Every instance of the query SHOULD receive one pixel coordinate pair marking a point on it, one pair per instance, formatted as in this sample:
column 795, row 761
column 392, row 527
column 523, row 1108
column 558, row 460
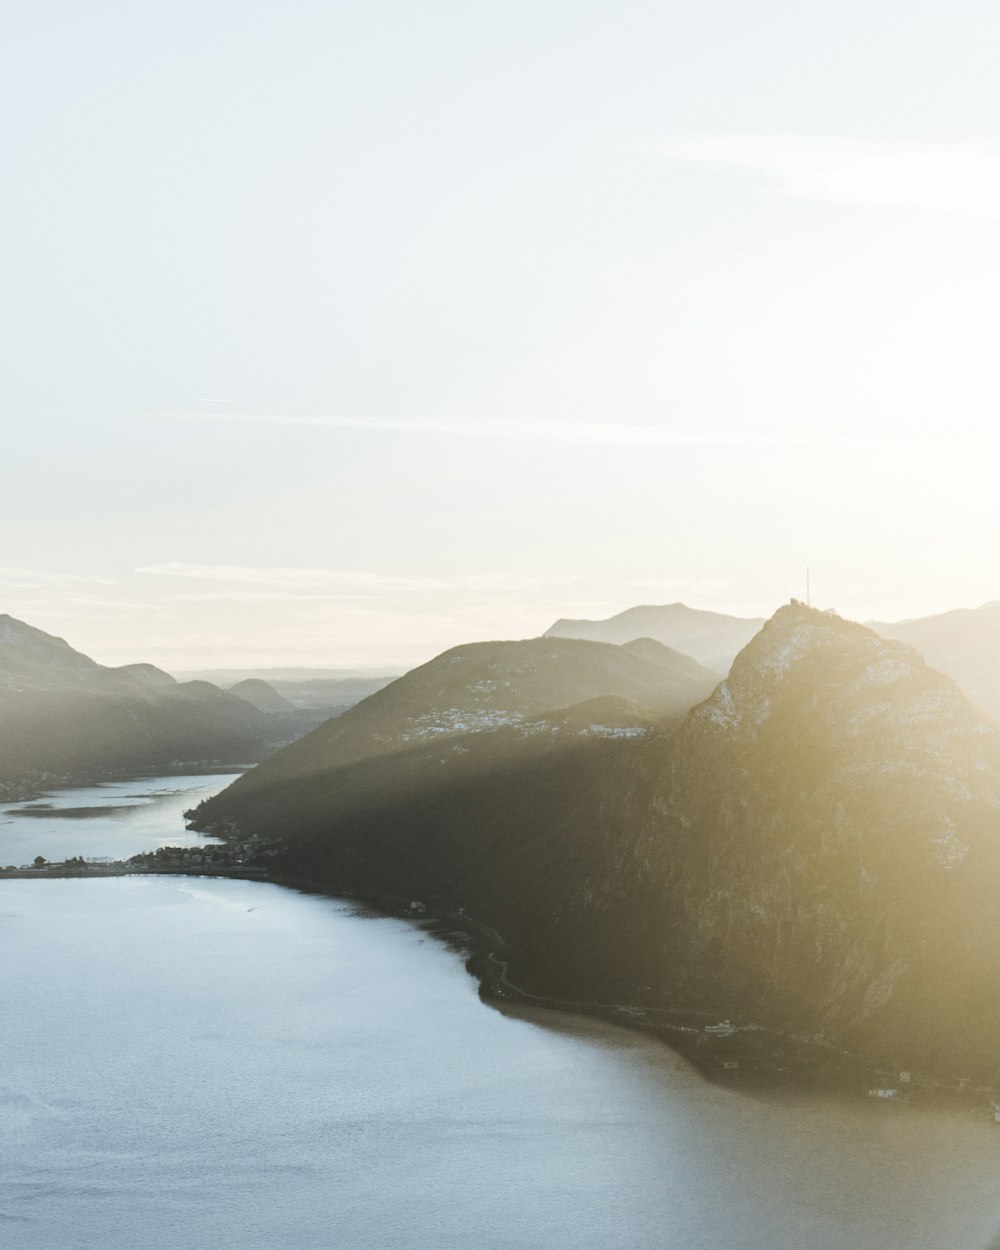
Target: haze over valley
column 794, row 845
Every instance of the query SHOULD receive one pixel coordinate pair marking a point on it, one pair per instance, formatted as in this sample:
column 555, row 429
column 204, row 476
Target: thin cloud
column 45, row 606
column 35, row 579
column 333, row 584
column 262, row 596
column 584, row 433
column 679, row 585
column 291, row 577
column 962, row 179
column 506, row 582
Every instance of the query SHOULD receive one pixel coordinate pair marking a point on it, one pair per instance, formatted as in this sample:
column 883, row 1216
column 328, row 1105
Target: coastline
column 733, row 1052
column 26, row 790
column 750, row 1053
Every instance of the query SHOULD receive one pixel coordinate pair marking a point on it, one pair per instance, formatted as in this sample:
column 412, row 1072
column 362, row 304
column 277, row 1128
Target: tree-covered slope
column 65, row 717
column 815, row 847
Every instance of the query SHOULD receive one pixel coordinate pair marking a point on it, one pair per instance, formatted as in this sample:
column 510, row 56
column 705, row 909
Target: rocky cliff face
column 826, row 841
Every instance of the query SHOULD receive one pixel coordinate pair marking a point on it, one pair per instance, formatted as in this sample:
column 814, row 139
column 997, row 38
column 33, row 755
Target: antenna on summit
column 808, row 596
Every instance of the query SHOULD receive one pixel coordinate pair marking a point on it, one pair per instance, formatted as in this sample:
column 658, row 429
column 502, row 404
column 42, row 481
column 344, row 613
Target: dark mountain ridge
column 64, row 717
column 33, row 660
column 474, row 760
column 827, row 844
column 814, row 847
column 486, row 686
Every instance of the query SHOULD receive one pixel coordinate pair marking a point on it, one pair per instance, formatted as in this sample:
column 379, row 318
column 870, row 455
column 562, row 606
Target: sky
column 338, row 333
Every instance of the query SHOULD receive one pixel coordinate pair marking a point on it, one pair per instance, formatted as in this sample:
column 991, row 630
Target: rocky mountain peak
column 825, row 666
column 849, row 797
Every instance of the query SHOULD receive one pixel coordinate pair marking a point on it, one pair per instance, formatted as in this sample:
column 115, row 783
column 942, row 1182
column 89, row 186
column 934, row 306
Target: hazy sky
column 341, row 332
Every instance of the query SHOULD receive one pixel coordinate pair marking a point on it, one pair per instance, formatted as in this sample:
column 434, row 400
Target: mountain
column 659, row 653
column 711, row 638
column 322, row 690
column 330, row 694
column 33, row 660
column 147, row 674
column 65, row 717
column 278, row 677
column 479, row 687
column 827, row 846
column 453, row 744
column 476, row 777
column 965, row 644
column 261, row 695
column 814, row 848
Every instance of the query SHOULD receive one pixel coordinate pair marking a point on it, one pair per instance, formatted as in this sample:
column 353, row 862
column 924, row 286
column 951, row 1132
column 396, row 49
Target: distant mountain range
column 331, row 695
column 226, row 677
column 711, row 638
column 812, row 844
column 321, row 689
column 64, row 717
column 964, row 644
column 261, row 695
column 486, row 686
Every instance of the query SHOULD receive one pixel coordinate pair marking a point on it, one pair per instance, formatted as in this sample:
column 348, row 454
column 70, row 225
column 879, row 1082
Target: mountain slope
column 965, row 644
column 816, row 848
column 483, row 686
column 33, row 660
column 831, row 842
column 63, row 716
column 711, row 638
column 261, row 695
column 329, row 690
column 475, row 779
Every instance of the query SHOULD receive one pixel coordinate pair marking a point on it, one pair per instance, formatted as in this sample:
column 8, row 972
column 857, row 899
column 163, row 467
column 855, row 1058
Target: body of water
column 117, row 818
column 192, row 1063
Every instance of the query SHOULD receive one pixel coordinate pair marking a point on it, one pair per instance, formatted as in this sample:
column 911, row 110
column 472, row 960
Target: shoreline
column 749, row 1051
column 741, row 1053
column 30, row 789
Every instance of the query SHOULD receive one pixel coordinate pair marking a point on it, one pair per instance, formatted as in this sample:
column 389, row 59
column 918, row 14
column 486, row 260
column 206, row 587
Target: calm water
column 118, row 818
column 190, row 1063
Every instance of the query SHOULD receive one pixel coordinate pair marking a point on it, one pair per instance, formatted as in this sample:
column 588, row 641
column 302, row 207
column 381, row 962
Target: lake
column 117, row 818
column 192, row 1063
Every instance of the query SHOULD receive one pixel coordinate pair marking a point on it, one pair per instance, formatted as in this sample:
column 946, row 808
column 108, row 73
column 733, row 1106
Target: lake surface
column 118, row 818
column 189, row 1063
